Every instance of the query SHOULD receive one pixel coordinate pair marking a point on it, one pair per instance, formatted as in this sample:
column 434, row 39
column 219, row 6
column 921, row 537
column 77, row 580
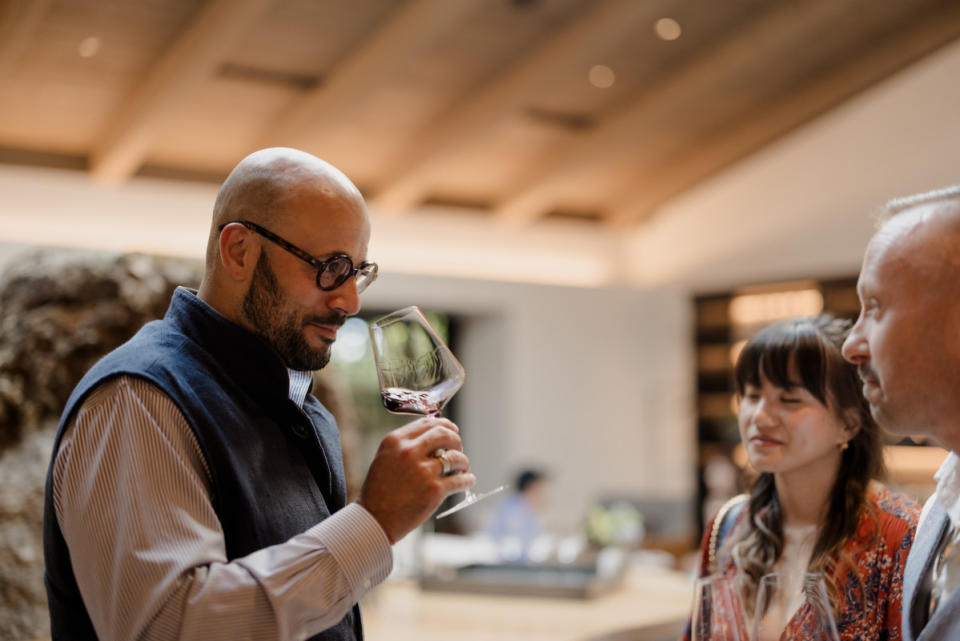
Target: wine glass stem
column 468, row 493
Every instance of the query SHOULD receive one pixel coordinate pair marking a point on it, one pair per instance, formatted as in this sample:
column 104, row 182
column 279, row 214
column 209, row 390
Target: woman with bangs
column 816, row 504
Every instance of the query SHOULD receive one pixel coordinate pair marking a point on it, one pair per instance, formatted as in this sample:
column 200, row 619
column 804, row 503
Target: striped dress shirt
column 132, row 495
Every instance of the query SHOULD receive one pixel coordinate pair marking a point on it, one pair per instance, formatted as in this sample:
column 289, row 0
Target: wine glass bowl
column 718, row 613
column 418, row 373
column 793, row 608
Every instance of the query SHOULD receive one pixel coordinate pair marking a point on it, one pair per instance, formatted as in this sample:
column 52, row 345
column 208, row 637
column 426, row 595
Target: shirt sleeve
column 132, row 496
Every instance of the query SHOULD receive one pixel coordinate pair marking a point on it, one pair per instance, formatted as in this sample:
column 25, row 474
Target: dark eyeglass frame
column 364, row 273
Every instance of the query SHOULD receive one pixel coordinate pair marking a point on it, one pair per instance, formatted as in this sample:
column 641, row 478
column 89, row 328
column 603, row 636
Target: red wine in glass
column 426, row 403
column 418, row 373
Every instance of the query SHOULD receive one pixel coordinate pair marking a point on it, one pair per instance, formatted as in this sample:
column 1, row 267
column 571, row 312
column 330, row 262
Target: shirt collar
column 300, row 383
column 250, row 361
column 948, row 487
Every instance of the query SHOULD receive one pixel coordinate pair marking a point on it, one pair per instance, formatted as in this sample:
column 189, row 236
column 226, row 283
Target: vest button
column 299, row 430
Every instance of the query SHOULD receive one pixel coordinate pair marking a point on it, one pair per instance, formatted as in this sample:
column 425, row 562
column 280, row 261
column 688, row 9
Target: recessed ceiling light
column 89, row 47
column 601, row 76
column 667, row 29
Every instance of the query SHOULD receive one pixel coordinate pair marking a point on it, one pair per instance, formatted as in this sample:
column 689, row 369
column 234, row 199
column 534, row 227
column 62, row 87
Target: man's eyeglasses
column 332, row 272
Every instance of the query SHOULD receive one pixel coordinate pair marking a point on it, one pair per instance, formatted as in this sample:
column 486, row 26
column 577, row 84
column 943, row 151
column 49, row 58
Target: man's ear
column 239, row 251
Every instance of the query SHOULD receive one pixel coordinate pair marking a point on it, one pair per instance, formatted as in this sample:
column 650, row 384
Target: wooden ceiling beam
column 618, row 134
column 374, row 62
column 470, row 118
column 667, row 179
column 192, row 58
column 19, row 21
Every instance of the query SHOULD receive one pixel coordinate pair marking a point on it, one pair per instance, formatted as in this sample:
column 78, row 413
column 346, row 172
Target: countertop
column 654, row 598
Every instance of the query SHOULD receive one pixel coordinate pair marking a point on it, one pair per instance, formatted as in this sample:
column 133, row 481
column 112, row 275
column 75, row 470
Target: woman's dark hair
column 807, row 351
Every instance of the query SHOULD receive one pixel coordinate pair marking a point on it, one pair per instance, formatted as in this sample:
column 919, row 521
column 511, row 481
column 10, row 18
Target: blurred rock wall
column 59, row 312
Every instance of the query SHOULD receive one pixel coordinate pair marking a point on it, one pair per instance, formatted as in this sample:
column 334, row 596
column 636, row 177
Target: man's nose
column 855, row 349
column 345, row 299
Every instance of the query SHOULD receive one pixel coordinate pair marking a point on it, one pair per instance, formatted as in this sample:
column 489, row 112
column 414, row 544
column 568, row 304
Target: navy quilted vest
column 277, row 470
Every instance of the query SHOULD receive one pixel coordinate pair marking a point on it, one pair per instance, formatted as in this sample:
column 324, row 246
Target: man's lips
column 867, row 374
column 328, row 332
column 871, row 382
column 326, row 326
column 871, row 390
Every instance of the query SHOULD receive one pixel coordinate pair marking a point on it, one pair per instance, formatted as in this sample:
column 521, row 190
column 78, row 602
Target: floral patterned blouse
column 871, row 597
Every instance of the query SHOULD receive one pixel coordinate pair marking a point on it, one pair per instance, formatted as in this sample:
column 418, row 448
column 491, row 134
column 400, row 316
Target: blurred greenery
column 616, row 523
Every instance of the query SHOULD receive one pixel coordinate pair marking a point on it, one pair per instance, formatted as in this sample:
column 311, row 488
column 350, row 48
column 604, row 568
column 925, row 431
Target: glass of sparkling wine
column 418, row 373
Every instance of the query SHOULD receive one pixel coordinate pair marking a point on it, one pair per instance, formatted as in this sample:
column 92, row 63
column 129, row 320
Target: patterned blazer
column 945, row 623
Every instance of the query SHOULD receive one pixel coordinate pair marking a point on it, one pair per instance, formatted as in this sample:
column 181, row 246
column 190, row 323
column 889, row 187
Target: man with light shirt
column 906, row 343
column 196, row 489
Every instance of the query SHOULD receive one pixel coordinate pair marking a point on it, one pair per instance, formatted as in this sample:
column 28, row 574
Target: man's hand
column 405, row 483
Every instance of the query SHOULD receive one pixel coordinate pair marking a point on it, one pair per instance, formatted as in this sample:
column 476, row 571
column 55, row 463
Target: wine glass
column 782, row 597
column 418, row 373
column 717, row 611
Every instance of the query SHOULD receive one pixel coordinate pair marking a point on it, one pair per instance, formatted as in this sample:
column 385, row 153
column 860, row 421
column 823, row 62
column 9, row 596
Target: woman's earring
column 844, row 445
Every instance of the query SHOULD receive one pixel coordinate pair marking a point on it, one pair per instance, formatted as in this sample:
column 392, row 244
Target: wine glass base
column 470, row 500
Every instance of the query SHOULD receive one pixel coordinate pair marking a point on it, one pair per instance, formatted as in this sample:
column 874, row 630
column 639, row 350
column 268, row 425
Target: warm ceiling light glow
column 748, row 309
column 89, row 47
column 542, row 265
column 667, row 29
column 601, row 76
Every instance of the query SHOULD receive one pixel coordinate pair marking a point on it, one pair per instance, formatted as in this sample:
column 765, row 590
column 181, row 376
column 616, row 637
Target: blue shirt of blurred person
column 515, row 522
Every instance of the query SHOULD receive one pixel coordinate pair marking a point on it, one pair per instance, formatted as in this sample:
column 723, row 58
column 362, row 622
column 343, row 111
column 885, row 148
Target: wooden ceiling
column 520, row 110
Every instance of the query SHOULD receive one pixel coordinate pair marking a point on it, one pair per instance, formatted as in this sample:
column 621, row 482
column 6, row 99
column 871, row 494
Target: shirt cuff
column 360, row 546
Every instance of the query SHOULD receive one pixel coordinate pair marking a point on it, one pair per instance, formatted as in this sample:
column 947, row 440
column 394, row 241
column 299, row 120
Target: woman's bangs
column 786, row 354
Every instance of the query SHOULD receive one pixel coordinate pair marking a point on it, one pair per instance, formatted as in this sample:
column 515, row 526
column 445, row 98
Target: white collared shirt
column 946, row 570
column 300, row 383
column 948, row 487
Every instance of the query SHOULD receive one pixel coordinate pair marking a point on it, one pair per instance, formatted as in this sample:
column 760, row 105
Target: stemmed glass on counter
column 418, row 373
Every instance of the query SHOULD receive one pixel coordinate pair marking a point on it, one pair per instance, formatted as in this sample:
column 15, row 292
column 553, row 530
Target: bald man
column 906, row 344
column 196, row 489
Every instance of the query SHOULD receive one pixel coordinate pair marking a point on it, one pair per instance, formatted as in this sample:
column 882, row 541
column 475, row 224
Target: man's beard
column 263, row 307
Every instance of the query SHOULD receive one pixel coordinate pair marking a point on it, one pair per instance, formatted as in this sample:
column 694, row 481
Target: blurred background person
column 516, row 521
